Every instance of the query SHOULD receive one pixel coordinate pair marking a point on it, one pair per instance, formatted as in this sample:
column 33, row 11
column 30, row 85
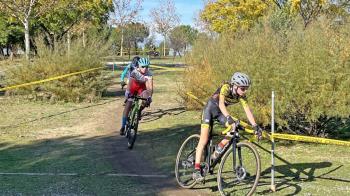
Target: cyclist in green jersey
column 215, row 109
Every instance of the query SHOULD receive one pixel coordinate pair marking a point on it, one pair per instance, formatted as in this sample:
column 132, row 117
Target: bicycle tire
column 187, row 162
column 133, row 129
column 244, row 172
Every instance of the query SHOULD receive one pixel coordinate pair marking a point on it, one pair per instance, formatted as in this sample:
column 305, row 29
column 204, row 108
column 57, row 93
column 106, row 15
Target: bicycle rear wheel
column 185, row 159
column 243, row 179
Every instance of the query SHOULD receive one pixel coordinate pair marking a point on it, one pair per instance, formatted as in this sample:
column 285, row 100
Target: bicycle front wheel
column 243, row 179
column 185, row 159
column 133, row 130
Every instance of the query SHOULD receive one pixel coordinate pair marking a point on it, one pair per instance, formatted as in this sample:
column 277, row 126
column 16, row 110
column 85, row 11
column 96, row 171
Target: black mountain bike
column 239, row 169
column 133, row 121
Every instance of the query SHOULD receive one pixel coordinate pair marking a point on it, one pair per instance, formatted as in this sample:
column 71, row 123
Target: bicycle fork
column 238, row 169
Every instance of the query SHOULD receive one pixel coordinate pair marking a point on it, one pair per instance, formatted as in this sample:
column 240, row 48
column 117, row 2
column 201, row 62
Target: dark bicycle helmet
column 240, row 79
column 135, row 61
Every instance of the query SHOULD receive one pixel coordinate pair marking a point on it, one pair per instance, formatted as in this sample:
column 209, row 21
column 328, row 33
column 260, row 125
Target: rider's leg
column 125, row 116
column 144, row 94
column 223, row 120
column 203, row 140
column 127, row 107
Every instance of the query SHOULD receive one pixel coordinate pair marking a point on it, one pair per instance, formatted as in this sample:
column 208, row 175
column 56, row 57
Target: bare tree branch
column 125, row 11
column 165, row 18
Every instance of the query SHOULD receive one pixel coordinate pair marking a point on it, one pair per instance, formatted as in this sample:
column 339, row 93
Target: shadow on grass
column 167, row 141
column 159, row 113
column 58, row 114
column 76, row 166
column 114, row 92
column 91, row 159
column 291, row 174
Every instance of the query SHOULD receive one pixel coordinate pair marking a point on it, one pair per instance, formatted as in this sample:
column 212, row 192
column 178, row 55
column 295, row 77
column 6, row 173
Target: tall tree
column 308, row 9
column 25, row 11
column 11, row 35
column 71, row 17
column 181, row 37
column 135, row 33
column 232, row 15
column 165, row 18
column 125, row 11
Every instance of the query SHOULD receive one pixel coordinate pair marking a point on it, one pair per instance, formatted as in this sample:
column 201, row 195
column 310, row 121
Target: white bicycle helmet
column 240, row 79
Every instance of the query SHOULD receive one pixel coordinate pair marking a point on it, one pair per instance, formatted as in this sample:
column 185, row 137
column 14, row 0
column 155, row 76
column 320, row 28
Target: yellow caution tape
column 49, row 79
column 195, row 98
column 309, row 139
column 247, row 128
column 167, row 68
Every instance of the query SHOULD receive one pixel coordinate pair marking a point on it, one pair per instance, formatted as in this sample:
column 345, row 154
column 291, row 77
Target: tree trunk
column 121, row 43
column 33, row 44
column 7, row 50
column 164, row 45
column 84, row 44
column 26, row 37
column 54, row 42
column 2, row 53
column 68, row 43
column 11, row 52
column 135, row 45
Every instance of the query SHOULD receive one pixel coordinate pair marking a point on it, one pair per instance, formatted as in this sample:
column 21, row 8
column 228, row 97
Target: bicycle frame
column 233, row 142
column 232, row 159
column 135, row 107
column 133, row 121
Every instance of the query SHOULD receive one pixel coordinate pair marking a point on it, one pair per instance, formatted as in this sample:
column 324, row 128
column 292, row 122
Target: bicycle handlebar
column 228, row 129
column 138, row 97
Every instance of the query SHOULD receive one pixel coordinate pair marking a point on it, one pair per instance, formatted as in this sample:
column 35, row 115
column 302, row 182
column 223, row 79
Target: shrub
column 50, row 63
column 307, row 68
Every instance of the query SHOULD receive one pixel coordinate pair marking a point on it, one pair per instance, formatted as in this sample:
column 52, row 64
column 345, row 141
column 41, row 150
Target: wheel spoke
column 243, row 179
column 184, row 167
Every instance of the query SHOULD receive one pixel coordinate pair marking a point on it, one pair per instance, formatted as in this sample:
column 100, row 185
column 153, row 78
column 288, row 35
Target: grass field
column 69, row 139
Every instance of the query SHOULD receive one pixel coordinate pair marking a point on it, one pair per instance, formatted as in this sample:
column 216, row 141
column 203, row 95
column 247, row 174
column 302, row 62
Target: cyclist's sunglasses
column 143, row 66
column 243, row 88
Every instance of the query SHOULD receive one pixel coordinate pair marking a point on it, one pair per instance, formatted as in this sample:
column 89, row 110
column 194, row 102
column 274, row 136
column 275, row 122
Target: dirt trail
column 130, row 162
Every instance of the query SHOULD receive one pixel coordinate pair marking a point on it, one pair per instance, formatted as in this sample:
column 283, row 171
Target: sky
column 187, row 9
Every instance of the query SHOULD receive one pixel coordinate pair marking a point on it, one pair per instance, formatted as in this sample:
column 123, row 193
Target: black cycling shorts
column 210, row 113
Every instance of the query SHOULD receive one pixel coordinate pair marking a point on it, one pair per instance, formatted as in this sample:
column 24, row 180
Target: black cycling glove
column 122, row 83
column 229, row 120
column 258, row 131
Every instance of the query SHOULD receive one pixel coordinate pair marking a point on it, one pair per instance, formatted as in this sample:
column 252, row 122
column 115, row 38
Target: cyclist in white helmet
column 141, row 84
column 229, row 93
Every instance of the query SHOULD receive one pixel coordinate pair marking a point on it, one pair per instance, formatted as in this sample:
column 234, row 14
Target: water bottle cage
column 233, row 133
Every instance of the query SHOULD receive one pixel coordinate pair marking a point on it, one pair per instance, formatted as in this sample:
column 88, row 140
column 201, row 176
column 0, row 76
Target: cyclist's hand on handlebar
column 122, row 83
column 148, row 101
column 258, row 132
column 229, row 120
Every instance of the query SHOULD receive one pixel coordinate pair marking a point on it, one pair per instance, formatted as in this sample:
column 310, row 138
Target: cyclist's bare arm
column 249, row 114
column 222, row 106
column 149, row 84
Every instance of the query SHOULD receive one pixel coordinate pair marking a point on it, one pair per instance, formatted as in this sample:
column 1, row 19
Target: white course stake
column 273, row 186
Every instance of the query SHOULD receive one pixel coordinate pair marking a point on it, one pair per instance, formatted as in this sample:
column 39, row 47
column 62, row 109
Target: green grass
column 301, row 168
column 39, row 137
